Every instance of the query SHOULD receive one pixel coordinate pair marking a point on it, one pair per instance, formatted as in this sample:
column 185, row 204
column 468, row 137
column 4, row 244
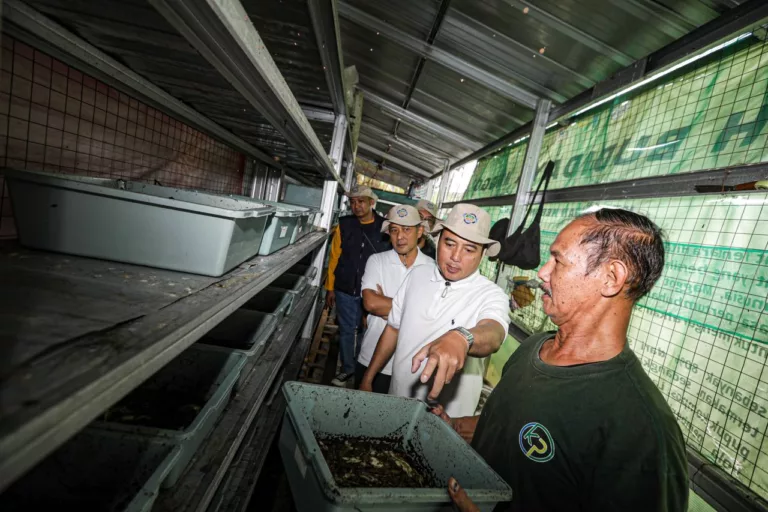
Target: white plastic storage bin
column 136, row 223
column 282, row 229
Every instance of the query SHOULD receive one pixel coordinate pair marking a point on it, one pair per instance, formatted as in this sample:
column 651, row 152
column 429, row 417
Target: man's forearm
column 376, row 304
column 489, row 335
column 385, row 348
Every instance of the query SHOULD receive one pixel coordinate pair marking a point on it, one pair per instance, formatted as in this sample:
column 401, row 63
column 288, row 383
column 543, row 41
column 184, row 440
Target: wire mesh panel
column 54, row 118
column 702, row 331
column 715, row 115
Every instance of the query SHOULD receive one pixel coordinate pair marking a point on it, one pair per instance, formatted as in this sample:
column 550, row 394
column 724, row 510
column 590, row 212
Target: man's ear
column 615, row 276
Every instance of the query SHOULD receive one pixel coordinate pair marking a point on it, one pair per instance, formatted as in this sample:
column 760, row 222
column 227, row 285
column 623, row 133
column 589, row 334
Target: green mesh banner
column 702, row 332
column 711, row 117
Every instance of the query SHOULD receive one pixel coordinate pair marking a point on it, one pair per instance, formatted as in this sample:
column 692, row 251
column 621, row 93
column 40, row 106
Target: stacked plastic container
column 137, row 223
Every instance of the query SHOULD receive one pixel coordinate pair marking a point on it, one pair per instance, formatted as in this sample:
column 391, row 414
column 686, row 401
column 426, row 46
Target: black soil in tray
column 172, row 410
column 368, row 462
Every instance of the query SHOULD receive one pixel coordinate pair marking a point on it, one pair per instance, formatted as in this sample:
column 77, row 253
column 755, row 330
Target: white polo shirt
column 425, row 308
column 385, row 269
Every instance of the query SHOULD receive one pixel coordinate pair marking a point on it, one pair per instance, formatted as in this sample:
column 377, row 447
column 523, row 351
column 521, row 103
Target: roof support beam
column 402, row 163
column 221, row 31
column 444, row 4
column 673, row 23
column 325, row 22
column 368, row 167
column 52, row 38
column 406, row 145
column 318, row 114
column 396, row 112
column 479, row 32
column 572, row 32
column 500, row 85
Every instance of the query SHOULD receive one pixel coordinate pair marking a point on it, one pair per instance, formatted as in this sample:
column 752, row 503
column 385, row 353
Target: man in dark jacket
column 355, row 239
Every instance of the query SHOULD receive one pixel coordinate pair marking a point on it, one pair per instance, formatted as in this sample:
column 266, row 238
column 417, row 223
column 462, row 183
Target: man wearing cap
column 428, row 214
column 384, row 273
column 444, row 313
column 355, row 238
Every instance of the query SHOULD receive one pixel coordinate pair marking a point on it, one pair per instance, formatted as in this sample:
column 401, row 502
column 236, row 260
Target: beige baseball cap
column 402, row 215
column 471, row 223
column 423, row 204
column 362, row 191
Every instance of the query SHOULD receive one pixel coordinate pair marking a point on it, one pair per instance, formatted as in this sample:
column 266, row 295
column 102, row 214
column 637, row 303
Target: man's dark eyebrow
column 466, row 242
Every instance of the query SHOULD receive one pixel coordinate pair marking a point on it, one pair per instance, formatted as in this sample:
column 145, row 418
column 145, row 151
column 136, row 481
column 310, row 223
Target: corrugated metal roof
column 136, row 34
column 552, row 49
column 466, row 71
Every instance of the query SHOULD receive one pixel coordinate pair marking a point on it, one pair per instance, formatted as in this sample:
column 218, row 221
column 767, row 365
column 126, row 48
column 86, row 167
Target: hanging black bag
column 523, row 247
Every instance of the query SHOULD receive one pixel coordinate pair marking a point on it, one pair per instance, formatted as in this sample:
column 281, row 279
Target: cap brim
column 493, row 246
column 385, row 226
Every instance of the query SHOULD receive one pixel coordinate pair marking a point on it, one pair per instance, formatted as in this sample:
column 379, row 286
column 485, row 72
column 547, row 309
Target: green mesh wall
column 713, row 116
column 702, row 332
column 497, row 175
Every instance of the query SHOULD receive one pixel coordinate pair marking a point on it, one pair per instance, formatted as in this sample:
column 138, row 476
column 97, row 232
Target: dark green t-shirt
column 592, row 437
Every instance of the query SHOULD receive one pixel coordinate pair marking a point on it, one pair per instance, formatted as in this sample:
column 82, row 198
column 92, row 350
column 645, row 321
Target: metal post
column 530, row 165
column 443, row 185
column 327, row 206
column 348, row 176
column 274, row 178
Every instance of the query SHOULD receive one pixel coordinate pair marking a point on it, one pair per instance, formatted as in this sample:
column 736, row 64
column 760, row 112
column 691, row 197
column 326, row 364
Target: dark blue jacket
column 358, row 243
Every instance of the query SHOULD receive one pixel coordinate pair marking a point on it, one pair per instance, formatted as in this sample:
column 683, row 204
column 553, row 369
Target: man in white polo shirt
column 445, row 318
column 384, row 273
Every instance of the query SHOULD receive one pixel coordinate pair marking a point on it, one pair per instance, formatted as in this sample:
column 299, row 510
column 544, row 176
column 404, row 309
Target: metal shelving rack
column 70, row 383
column 61, row 392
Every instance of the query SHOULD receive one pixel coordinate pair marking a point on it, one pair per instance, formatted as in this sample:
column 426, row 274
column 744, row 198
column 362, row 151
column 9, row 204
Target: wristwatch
column 467, row 336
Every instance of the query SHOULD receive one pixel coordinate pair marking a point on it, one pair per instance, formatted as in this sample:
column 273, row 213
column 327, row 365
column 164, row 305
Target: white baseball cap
column 362, row 191
column 471, row 223
column 402, row 215
column 429, row 206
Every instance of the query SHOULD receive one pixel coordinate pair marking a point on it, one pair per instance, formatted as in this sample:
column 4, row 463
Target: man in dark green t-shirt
column 575, row 422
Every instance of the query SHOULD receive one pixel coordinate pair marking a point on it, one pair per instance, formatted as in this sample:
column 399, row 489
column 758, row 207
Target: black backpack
column 523, row 247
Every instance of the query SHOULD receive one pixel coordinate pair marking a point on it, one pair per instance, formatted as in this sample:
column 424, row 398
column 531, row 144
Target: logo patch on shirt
column 536, row 442
column 470, row 218
column 402, row 212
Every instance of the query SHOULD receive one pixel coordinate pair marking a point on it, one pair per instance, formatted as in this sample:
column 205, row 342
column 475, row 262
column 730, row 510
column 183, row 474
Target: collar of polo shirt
column 394, row 258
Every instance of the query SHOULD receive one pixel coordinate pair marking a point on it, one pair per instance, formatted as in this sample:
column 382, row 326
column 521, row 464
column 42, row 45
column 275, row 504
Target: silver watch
column 467, row 336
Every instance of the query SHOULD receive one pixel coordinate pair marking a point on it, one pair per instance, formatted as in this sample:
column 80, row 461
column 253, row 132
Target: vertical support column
column 327, row 206
column 274, row 178
column 530, row 165
column 443, row 185
column 348, row 177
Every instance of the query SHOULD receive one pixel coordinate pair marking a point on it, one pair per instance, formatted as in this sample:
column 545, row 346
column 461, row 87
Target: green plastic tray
column 294, row 284
column 270, row 300
column 96, row 471
column 244, row 331
column 321, row 410
column 197, row 367
column 307, row 271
